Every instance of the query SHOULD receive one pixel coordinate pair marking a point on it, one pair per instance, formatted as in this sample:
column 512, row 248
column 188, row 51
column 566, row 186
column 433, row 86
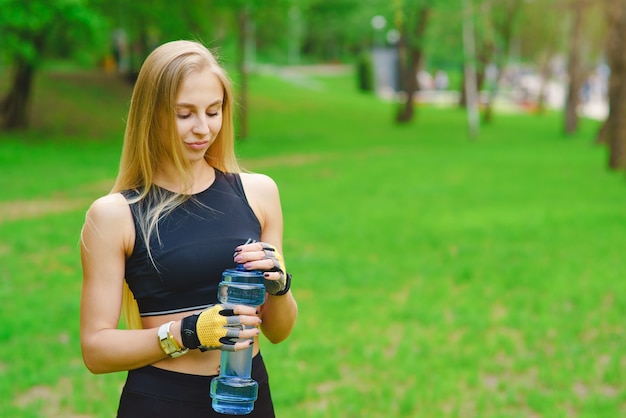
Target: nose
column 201, row 125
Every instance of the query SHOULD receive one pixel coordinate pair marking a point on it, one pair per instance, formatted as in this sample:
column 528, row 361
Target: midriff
column 195, row 361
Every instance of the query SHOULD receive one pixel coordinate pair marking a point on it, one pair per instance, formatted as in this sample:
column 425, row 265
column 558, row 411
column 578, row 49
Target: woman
column 155, row 247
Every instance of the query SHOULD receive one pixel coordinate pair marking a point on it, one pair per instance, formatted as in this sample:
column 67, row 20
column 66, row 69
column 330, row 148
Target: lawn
column 436, row 276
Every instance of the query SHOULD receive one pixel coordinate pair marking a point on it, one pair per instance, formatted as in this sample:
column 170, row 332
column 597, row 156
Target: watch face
column 168, row 347
column 168, row 343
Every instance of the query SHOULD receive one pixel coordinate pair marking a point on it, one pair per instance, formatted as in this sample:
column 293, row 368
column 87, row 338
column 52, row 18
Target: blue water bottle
column 234, row 391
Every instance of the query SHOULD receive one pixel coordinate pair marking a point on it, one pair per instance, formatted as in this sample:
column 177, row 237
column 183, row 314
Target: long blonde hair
column 151, row 137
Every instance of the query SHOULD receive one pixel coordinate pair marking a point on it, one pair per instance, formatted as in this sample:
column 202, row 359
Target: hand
column 217, row 328
column 264, row 257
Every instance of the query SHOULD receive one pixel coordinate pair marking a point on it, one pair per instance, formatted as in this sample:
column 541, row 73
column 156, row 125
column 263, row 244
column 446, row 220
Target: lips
column 197, row 145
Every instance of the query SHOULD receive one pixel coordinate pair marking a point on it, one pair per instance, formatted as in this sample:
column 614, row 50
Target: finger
column 267, row 264
column 245, row 256
column 267, row 247
column 232, row 333
column 276, row 266
column 249, row 320
column 242, row 345
column 255, row 246
column 273, row 275
column 227, row 345
column 264, row 265
column 244, row 310
column 248, row 333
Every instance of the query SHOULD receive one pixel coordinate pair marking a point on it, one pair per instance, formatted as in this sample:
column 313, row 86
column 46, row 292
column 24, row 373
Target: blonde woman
column 180, row 213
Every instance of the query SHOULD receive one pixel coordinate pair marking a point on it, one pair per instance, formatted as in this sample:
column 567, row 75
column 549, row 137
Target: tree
column 30, row 30
column 540, row 41
column 242, row 13
column 501, row 20
column 244, row 23
column 587, row 35
column 328, row 32
column 574, row 67
column 497, row 22
column 470, row 90
column 613, row 131
column 411, row 21
column 147, row 25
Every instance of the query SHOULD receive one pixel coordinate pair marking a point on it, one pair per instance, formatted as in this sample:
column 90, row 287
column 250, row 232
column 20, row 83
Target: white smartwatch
column 168, row 343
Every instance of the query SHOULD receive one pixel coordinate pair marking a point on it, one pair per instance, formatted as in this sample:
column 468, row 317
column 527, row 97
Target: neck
column 201, row 177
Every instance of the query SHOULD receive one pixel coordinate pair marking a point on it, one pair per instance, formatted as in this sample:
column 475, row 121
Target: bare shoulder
column 109, row 222
column 110, row 216
column 262, row 194
column 261, row 182
column 260, row 188
column 110, row 208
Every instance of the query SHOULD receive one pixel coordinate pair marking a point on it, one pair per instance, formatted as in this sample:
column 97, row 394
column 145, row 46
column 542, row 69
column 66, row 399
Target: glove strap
column 188, row 332
column 287, row 286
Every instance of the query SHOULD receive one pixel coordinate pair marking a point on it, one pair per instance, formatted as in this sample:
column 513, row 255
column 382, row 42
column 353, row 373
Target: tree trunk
column 410, row 54
column 504, row 31
column 480, row 84
column 471, row 88
column 544, row 77
column 243, row 21
column 613, row 132
column 601, row 136
column 574, row 71
column 484, row 60
column 15, row 107
column 408, row 79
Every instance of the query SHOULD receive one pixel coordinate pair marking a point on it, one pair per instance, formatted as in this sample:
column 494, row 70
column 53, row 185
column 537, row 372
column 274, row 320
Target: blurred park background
column 452, row 177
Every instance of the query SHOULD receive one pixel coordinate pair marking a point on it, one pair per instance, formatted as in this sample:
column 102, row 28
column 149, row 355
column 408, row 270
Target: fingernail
column 266, row 275
column 238, row 258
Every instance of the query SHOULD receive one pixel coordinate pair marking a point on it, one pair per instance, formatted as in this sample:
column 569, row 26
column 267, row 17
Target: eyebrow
column 189, row 105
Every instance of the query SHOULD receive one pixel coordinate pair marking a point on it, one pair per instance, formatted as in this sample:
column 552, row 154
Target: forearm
column 114, row 350
column 279, row 315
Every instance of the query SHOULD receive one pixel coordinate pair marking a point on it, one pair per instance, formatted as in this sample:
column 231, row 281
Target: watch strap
column 168, row 343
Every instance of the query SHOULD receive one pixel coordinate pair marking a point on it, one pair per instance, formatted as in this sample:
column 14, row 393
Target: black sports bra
column 195, row 245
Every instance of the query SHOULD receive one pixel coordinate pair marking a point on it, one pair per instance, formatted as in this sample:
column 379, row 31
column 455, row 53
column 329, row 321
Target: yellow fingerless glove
column 215, row 328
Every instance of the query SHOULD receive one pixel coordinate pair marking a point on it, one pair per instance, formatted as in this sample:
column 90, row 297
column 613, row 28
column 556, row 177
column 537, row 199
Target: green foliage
column 543, row 27
column 436, row 276
column 284, row 32
column 33, row 28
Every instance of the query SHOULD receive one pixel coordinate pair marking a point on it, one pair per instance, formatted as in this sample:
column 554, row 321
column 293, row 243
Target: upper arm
column 278, row 312
column 263, row 196
column 105, row 243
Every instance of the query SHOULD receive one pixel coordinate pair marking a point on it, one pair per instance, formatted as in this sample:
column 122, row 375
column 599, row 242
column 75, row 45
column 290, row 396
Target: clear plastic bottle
column 234, row 391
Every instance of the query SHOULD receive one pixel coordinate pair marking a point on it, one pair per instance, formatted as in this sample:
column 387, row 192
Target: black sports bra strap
column 234, row 179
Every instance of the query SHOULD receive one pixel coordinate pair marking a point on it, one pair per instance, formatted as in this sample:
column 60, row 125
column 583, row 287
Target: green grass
column 436, row 276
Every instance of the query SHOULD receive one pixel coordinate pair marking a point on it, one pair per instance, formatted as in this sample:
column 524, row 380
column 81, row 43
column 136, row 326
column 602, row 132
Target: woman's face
column 199, row 112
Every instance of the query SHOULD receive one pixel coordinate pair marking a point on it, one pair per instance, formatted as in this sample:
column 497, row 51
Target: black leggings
column 153, row 392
